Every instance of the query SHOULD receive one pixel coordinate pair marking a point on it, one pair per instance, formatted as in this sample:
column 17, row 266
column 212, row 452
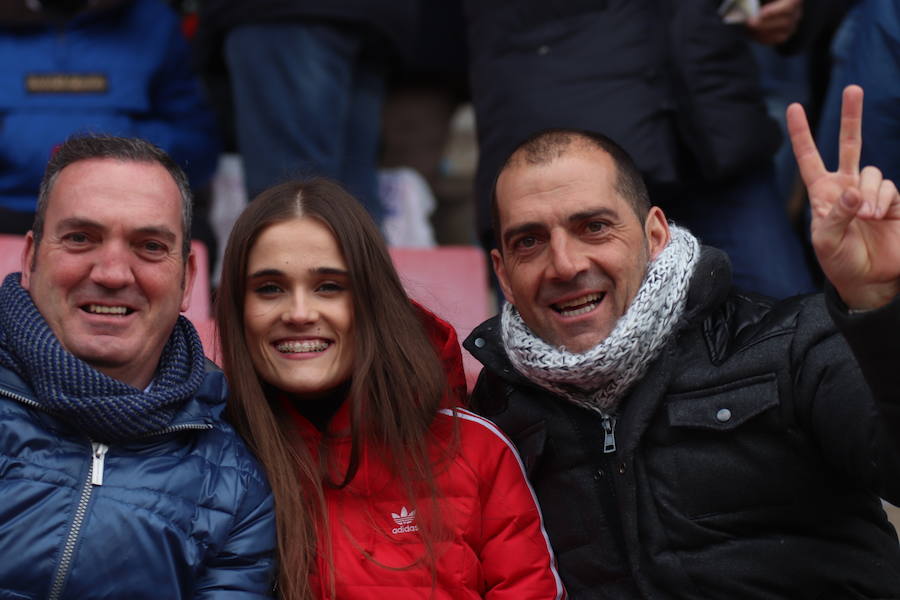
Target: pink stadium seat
column 452, row 282
column 11, row 253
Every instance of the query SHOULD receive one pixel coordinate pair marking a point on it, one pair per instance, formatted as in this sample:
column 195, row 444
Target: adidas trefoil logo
column 405, row 521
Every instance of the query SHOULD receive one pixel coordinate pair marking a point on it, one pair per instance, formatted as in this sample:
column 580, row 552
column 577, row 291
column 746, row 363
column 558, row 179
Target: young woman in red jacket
column 348, row 393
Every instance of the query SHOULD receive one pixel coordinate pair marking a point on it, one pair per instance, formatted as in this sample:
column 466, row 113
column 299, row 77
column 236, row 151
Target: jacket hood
column 443, row 338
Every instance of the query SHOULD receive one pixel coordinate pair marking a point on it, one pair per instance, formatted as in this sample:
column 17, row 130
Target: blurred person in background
column 866, row 52
column 675, row 85
column 116, row 67
column 307, row 84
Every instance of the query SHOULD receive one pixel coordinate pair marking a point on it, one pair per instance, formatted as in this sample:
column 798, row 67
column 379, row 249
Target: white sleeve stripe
column 469, row 416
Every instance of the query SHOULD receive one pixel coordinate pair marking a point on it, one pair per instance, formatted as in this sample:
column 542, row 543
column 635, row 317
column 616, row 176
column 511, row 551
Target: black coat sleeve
column 874, row 339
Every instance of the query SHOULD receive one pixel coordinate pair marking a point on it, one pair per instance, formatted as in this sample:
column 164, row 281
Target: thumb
column 832, row 227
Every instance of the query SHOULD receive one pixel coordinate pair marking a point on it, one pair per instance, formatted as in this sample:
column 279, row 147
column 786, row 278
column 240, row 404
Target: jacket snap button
column 723, row 415
column 479, row 342
column 621, row 468
column 542, row 50
column 598, row 474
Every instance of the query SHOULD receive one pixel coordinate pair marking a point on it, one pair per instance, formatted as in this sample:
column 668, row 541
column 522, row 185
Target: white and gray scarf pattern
column 598, row 379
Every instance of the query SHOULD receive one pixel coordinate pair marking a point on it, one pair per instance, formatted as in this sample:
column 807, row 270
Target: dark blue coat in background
column 668, row 80
column 118, row 67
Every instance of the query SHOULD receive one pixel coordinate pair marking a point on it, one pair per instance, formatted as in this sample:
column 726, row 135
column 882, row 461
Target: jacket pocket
column 722, row 450
column 725, row 408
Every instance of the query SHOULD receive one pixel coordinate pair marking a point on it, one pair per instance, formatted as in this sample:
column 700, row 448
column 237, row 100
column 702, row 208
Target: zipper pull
column 98, row 454
column 609, row 434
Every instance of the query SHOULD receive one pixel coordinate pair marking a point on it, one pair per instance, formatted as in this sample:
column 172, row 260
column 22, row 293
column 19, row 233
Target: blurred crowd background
column 413, row 104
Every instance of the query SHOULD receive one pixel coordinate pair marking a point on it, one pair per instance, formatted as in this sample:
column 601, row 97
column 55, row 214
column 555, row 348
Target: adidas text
column 405, row 529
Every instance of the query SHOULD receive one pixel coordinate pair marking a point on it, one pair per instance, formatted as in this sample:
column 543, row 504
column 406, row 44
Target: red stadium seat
column 451, row 282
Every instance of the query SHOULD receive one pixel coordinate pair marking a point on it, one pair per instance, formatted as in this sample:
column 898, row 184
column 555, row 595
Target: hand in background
column 776, row 21
column 855, row 215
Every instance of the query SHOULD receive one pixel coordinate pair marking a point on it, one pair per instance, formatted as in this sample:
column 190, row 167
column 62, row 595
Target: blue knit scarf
column 105, row 409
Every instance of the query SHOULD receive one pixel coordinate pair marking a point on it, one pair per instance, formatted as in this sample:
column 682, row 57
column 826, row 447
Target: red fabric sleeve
column 516, row 557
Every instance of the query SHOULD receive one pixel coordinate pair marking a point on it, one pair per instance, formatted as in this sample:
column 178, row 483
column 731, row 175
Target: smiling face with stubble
column 108, row 275
column 573, row 252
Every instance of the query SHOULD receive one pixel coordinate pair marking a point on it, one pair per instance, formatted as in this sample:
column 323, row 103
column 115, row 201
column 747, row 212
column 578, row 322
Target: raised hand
column 855, row 215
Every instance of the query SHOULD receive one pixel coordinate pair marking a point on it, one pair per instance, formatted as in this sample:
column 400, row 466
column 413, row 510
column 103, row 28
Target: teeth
column 304, row 346
column 580, row 311
column 585, row 304
column 106, row 310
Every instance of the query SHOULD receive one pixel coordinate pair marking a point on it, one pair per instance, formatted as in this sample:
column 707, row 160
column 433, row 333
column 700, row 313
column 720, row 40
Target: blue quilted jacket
column 121, row 68
column 185, row 513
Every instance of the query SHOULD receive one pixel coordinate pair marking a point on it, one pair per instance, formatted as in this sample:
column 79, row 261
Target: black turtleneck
column 320, row 409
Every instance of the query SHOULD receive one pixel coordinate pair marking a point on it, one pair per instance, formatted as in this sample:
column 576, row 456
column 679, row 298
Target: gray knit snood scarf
column 598, row 379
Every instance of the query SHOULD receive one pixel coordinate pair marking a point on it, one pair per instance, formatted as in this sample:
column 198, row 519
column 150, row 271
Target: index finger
column 851, row 130
column 805, row 152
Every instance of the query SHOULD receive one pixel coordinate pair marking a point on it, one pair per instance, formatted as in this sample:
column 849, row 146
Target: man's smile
column 101, row 309
column 580, row 305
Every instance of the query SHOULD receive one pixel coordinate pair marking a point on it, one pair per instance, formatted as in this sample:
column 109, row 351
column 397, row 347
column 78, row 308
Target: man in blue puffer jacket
column 119, row 476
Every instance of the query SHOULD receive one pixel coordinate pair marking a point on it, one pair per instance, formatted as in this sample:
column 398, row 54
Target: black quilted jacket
column 748, row 463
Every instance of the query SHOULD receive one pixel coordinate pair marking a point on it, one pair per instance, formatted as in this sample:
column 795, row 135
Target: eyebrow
column 317, row 271
column 603, row 211
column 81, row 222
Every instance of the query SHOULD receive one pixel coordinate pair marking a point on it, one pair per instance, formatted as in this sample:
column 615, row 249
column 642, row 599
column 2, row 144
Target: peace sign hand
column 855, row 215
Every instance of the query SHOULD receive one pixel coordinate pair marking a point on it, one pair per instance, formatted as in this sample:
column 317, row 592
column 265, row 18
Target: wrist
column 860, row 299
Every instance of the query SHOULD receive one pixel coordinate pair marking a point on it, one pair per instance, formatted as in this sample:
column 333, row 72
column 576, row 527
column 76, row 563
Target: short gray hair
column 548, row 145
column 86, row 147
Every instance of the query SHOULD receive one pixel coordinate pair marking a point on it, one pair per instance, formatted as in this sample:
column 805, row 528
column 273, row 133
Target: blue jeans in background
column 746, row 217
column 307, row 101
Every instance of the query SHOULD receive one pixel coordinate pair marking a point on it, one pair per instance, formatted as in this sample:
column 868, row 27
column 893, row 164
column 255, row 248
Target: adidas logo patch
column 405, row 520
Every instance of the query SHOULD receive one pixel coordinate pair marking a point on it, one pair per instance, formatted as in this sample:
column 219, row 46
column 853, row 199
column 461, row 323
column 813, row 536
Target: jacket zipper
column 99, row 455
column 94, row 478
column 609, row 434
column 175, row 428
column 19, row 398
column 607, row 487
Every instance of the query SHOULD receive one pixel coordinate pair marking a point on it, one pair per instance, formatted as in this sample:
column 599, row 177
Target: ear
column 27, row 259
column 656, row 229
column 500, row 271
column 190, row 272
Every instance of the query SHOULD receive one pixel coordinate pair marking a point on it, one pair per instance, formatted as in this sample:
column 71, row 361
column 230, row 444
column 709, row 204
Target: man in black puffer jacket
column 683, row 439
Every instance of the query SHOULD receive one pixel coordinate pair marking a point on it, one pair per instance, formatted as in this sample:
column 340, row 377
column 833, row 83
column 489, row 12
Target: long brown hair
column 397, row 387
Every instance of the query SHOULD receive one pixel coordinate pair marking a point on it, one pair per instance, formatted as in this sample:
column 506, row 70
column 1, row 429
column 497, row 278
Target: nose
column 112, row 268
column 566, row 260
column 299, row 310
